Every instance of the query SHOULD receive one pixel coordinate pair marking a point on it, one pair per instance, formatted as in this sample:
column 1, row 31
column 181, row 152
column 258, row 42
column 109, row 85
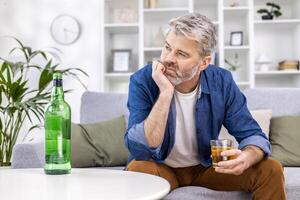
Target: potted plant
column 19, row 102
column 274, row 10
column 233, row 67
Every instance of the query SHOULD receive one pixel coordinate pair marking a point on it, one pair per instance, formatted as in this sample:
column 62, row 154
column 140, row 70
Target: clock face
column 65, row 29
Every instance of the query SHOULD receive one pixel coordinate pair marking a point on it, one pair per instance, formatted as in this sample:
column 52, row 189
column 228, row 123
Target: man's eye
column 167, row 47
column 183, row 55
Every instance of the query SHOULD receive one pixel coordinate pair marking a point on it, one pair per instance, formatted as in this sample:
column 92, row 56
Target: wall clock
column 65, row 29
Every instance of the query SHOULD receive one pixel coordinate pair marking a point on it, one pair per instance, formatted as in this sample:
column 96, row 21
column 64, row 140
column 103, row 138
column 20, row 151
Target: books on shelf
column 289, row 65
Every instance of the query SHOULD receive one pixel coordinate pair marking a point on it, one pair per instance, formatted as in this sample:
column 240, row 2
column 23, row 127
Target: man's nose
column 170, row 58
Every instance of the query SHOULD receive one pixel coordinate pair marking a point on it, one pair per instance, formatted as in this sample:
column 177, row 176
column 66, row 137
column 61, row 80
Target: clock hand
column 65, row 34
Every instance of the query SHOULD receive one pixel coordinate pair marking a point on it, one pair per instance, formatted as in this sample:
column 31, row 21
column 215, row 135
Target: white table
column 81, row 184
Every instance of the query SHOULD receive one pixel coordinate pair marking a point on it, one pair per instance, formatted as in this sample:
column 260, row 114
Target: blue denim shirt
column 220, row 102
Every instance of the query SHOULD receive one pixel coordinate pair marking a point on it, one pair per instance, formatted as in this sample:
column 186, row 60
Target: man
column 179, row 103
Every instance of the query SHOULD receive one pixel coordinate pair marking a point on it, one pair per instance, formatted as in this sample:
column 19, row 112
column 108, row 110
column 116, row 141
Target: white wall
column 29, row 20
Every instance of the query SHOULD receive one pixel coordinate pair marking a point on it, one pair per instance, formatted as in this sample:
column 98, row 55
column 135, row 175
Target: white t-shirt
column 185, row 150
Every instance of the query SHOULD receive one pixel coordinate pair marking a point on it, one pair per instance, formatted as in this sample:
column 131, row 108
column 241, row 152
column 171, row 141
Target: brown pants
column 264, row 180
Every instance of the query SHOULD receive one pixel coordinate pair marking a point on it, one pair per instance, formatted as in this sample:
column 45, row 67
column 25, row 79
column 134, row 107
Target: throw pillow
column 285, row 140
column 262, row 117
column 99, row 144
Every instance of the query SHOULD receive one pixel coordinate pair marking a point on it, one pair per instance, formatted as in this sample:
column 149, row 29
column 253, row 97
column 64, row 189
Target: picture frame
column 236, row 38
column 121, row 59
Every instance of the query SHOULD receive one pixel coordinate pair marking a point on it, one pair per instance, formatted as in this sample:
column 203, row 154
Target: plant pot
column 5, row 164
column 267, row 17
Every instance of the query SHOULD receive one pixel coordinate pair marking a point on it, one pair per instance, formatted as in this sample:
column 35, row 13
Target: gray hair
column 196, row 27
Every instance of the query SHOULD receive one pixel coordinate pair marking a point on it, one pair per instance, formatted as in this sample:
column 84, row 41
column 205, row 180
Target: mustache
column 172, row 66
column 168, row 64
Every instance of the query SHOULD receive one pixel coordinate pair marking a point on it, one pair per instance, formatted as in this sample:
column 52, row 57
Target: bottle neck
column 57, row 91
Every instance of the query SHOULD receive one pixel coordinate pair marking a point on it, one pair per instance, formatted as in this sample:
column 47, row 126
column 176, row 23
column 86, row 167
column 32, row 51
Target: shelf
column 122, row 28
column 277, row 23
column 278, row 37
column 122, row 75
column 277, row 72
column 243, row 83
column 245, row 47
column 153, row 49
column 239, row 8
column 154, row 10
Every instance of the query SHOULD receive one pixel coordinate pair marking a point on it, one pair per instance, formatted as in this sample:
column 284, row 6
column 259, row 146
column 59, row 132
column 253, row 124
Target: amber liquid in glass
column 217, row 147
column 216, row 154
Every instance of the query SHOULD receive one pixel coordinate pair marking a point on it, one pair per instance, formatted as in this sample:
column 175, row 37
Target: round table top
column 83, row 184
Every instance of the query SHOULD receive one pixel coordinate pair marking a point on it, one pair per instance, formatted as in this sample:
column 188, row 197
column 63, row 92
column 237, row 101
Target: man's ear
column 205, row 62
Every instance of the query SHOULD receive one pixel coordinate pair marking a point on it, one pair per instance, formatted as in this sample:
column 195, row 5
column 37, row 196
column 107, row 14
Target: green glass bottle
column 58, row 131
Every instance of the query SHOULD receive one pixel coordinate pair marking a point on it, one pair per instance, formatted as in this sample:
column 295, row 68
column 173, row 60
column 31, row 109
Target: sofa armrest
column 29, row 154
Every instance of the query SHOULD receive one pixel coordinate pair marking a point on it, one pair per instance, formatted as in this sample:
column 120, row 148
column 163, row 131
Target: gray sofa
column 101, row 106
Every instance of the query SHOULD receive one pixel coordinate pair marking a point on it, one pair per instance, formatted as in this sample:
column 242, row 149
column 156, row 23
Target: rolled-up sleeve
column 139, row 107
column 239, row 121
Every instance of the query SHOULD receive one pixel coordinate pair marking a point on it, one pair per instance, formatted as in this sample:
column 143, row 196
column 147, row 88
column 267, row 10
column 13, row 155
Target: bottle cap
column 57, row 75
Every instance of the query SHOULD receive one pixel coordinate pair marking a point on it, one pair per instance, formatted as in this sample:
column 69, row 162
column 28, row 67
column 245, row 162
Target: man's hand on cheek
column 159, row 76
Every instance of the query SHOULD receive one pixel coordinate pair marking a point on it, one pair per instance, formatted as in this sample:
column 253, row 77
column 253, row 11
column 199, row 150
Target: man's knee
column 271, row 167
column 148, row 167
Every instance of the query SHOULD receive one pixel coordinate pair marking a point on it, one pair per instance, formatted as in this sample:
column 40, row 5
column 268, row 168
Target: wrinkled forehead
column 180, row 41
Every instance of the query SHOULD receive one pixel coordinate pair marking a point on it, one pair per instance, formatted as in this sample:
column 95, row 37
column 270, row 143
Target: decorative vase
column 267, row 17
column 234, row 3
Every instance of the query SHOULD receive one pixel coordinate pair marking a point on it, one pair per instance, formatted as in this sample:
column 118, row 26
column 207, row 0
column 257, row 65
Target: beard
column 183, row 76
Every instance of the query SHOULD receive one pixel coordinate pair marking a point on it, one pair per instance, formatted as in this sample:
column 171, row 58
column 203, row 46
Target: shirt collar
column 204, row 82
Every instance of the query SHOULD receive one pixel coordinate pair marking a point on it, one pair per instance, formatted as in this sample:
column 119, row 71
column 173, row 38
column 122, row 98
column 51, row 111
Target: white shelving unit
column 278, row 38
column 276, row 72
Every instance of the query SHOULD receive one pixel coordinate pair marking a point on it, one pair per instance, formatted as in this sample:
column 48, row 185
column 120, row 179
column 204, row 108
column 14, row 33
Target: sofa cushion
column 285, row 140
column 292, row 185
column 275, row 99
column 194, row 192
column 262, row 117
column 99, row 144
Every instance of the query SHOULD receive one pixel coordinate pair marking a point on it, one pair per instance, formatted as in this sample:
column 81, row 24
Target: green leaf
column 14, row 49
column 277, row 13
column 2, row 78
column 261, row 11
column 35, row 53
column 78, row 79
column 37, row 114
column 273, row 5
column 67, row 91
column 20, row 43
column 4, row 66
column 34, row 127
column 0, row 97
column 18, row 66
column 28, row 115
column 23, row 48
column 46, row 76
column 45, row 79
column 0, row 136
column 28, row 50
column 17, row 90
column 34, row 66
column 76, row 69
column 8, row 81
